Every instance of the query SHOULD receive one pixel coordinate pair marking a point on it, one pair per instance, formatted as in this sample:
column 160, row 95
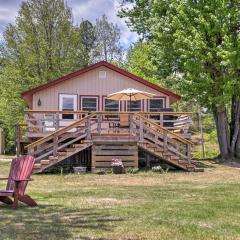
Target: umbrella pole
column 130, row 108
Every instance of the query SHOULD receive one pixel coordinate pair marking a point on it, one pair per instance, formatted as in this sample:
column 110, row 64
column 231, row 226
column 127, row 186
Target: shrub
column 132, row 170
column 157, row 169
column 101, row 171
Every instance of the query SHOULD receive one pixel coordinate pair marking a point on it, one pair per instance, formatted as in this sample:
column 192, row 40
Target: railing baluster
column 55, row 145
column 189, row 152
column 88, row 129
column 165, row 141
column 141, row 129
column 99, row 124
column 161, row 119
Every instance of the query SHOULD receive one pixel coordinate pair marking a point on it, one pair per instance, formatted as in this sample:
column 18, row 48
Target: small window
column 68, row 103
column 102, row 74
column 136, row 106
column 89, row 104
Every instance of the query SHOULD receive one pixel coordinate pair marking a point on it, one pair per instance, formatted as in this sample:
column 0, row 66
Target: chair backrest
column 124, row 120
column 21, row 168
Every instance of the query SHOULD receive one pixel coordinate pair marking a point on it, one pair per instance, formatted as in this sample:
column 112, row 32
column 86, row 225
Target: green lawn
column 132, row 206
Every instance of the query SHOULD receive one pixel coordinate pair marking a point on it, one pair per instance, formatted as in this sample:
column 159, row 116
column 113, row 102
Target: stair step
column 174, row 157
column 78, row 145
column 149, row 145
column 159, row 150
column 45, row 162
column 198, row 169
column 182, row 161
column 168, row 154
column 52, row 158
column 61, row 153
column 37, row 166
column 70, row 149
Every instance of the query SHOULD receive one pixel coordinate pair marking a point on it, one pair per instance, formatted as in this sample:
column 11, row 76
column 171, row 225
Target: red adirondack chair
column 19, row 175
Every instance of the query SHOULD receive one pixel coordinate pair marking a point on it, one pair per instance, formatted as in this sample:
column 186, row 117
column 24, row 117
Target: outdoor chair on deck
column 19, row 175
column 124, row 121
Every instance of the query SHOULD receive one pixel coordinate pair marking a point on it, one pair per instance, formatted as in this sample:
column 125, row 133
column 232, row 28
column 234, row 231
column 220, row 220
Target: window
column 102, row 74
column 111, row 105
column 68, row 103
column 89, row 104
column 155, row 105
column 136, row 106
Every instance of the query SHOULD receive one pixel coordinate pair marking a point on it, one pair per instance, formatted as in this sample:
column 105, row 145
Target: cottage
column 70, row 122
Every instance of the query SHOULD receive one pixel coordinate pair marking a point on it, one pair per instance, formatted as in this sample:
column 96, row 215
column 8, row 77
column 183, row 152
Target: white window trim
column 82, row 97
column 74, row 96
column 157, row 98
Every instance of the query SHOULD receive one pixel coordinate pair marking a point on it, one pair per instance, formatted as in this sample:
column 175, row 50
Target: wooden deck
column 165, row 137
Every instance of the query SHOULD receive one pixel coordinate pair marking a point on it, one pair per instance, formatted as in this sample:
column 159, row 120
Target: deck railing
column 41, row 123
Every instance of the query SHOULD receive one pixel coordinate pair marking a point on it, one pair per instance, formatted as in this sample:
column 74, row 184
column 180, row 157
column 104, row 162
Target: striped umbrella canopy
column 130, row 94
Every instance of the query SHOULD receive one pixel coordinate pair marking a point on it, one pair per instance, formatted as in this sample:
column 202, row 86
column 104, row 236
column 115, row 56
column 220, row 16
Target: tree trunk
column 235, row 125
column 222, row 133
column 237, row 149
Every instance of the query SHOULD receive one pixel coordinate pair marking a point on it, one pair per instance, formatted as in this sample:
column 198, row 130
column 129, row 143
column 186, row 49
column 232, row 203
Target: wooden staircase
column 60, row 156
column 164, row 144
column 61, row 144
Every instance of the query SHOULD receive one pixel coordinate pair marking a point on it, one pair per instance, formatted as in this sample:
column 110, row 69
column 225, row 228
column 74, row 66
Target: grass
column 131, row 206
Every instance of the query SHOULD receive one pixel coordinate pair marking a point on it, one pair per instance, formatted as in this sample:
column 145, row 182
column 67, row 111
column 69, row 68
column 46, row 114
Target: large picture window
column 136, row 106
column 89, row 104
column 155, row 105
column 68, row 103
column 111, row 105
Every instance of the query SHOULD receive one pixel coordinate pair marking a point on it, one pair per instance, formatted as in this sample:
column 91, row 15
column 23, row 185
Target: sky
column 82, row 9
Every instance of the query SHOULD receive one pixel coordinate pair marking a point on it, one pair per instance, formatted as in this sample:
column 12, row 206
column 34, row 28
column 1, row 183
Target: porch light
column 39, row 102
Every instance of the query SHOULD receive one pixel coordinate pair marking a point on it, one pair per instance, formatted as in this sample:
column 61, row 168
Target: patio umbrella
column 130, row 94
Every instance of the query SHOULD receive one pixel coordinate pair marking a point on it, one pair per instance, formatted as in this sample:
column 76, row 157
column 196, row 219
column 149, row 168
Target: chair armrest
column 22, row 180
column 3, row 178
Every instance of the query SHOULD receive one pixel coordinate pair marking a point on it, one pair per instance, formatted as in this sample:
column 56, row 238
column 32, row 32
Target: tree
column 139, row 62
column 42, row 45
column 87, row 35
column 199, row 42
column 107, row 43
column 43, row 42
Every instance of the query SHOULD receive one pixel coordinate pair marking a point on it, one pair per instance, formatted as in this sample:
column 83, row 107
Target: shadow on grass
column 53, row 222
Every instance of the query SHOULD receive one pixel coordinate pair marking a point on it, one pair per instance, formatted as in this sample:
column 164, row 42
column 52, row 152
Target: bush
column 157, row 169
column 101, row 171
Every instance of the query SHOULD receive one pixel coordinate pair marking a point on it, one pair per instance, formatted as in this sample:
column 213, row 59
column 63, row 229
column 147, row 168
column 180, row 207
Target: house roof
column 27, row 95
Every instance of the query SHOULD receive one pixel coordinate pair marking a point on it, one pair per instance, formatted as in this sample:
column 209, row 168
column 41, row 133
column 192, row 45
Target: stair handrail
column 179, row 138
column 59, row 132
